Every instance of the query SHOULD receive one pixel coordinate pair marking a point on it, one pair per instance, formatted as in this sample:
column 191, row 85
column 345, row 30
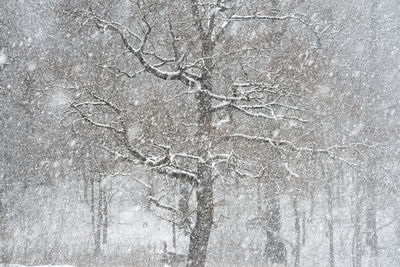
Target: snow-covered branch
column 87, row 118
column 180, row 74
column 297, row 17
column 163, row 206
column 291, row 172
column 291, row 147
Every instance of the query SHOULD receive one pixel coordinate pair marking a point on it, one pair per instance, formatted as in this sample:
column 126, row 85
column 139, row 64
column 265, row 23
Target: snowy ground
column 19, row 265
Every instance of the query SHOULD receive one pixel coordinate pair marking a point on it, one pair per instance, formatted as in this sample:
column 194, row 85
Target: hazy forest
column 199, row 133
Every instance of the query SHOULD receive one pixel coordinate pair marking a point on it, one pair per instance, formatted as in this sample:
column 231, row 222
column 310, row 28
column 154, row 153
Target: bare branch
column 87, row 118
column 118, row 72
column 106, row 102
column 289, row 146
column 291, row 172
column 163, row 206
column 264, row 116
column 298, row 17
column 181, row 75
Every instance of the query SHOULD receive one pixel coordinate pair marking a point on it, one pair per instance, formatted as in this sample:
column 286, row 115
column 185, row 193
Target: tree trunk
column 275, row 250
column 303, row 225
column 330, row 225
column 298, row 233
column 174, row 236
column 204, row 220
column 259, row 198
column 357, row 245
column 204, row 194
column 105, row 218
column 183, row 204
column 273, row 212
column 85, row 190
column 371, row 234
column 92, row 205
column 99, row 219
column 327, row 177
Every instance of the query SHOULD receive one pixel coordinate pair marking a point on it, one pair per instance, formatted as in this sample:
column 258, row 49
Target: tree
column 193, row 51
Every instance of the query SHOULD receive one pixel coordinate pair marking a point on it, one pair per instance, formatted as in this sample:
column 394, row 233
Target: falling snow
column 199, row 133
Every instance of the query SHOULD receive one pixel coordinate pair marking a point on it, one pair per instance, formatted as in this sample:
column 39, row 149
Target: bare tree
column 191, row 51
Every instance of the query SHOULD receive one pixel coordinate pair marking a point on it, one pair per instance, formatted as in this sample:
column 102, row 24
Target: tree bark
column 275, row 250
column 204, row 194
column 357, row 245
column 85, row 190
column 105, row 218
column 327, row 177
column 99, row 219
column 259, row 198
column 204, row 220
column 371, row 234
column 92, row 204
column 303, row 225
column 330, row 225
column 174, row 235
column 200, row 234
column 298, row 233
column 183, row 204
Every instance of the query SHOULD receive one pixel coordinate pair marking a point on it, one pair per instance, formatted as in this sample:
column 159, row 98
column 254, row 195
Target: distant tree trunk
column 259, row 198
column 357, row 243
column 105, row 218
column 297, row 229
column 174, row 235
column 176, row 221
column 330, row 225
column 85, row 190
column 312, row 206
column 329, row 190
column 97, row 237
column 357, row 246
column 183, row 204
column 303, row 224
column 397, row 229
column 371, row 234
column 275, row 250
column 92, row 203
